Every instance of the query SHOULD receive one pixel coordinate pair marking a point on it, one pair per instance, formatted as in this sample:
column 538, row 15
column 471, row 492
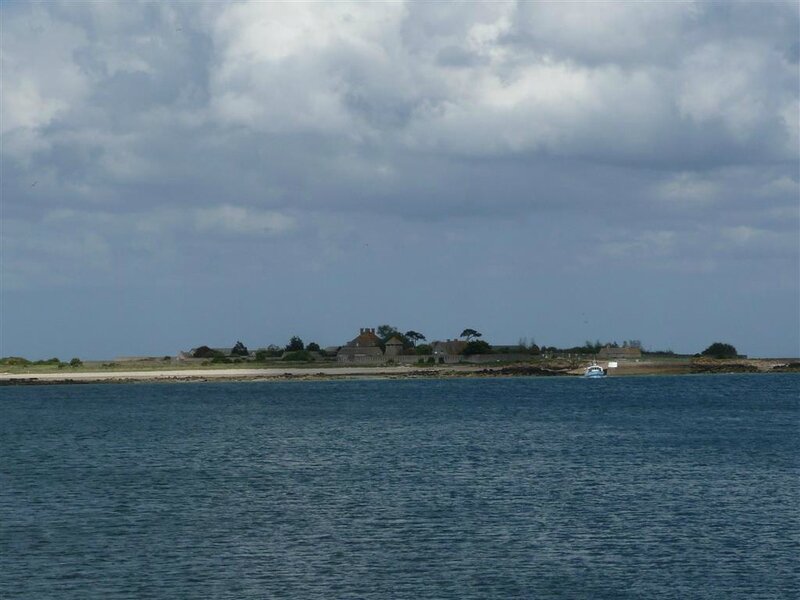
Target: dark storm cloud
column 135, row 134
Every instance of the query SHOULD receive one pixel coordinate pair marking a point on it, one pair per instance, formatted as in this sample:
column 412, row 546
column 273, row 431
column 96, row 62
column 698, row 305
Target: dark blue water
column 663, row 487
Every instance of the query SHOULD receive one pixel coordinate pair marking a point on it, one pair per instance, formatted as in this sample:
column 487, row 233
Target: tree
column 387, row 331
column 204, row 352
column 477, row 347
column 312, row 347
column 470, row 333
column 414, row 337
column 75, row 362
column 295, row 344
column 239, row 349
column 423, row 349
column 720, row 350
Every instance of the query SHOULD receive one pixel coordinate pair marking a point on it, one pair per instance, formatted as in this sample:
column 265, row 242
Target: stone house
column 366, row 347
column 394, row 347
column 448, row 349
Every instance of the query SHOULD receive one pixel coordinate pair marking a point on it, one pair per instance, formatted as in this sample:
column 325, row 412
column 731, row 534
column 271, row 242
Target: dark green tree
column 295, row 344
column 477, row 347
column 414, row 337
column 204, row 352
column 470, row 333
column 239, row 349
column 387, row 331
column 312, row 347
column 720, row 350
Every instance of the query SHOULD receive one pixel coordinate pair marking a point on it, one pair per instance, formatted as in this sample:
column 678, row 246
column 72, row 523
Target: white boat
column 594, row 372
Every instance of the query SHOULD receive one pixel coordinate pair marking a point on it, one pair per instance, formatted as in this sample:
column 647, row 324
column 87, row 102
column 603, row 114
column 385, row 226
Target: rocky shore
column 539, row 369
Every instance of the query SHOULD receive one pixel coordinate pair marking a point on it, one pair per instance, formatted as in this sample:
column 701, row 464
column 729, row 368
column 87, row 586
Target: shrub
column 477, row 347
column 298, row 356
column 219, row 359
column 295, row 344
column 423, row 349
column 49, row 361
column 720, row 350
column 75, row 362
column 239, row 349
column 14, row 361
column 313, row 347
column 204, row 352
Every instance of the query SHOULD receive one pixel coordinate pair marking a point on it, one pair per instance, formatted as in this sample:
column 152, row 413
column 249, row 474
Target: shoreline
column 329, row 373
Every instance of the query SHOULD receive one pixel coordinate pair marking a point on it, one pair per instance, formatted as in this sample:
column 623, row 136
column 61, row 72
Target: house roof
column 365, row 339
column 394, row 341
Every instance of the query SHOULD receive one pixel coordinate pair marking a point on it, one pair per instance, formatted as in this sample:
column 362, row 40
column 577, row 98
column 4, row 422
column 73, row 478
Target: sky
column 179, row 174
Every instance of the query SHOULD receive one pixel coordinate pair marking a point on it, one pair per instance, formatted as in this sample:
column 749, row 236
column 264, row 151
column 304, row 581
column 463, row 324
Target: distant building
column 366, row 347
column 394, row 347
column 609, row 352
column 448, row 348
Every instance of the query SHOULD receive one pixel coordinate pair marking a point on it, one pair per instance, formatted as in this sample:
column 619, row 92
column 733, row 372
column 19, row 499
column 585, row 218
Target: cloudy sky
column 184, row 174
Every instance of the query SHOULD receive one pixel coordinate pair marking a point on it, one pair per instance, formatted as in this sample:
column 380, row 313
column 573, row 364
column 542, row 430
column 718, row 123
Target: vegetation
column 423, row 349
column 720, row 350
column 14, row 361
column 313, row 347
column 477, row 347
column 239, row 349
column 271, row 351
column 414, row 337
column 387, row 332
column 206, row 352
column 295, row 345
column 470, row 333
column 298, row 356
column 75, row 362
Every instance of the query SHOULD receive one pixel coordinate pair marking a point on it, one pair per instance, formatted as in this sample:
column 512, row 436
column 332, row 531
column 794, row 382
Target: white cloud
column 688, row 189
column 232, row 219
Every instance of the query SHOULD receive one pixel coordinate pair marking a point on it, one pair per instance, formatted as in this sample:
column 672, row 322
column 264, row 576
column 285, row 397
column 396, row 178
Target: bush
column 720, row 350
column 205, row 352
column 219, row 359
column 271, row 351
column 313, row 347
column 295, row 344
column 14, row 361
column 75, row 362
column 477, row 347
column 299, row 356
column 423, row 349
column 49, row 361
column 239, row 349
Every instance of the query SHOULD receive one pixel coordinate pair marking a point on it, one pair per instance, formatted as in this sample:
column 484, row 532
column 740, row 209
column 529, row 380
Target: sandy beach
column 627, row 368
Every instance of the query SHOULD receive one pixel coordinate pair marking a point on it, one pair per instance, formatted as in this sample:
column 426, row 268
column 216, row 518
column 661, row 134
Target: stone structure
column 364, row 348
column 448, row 349
column 609, row 352
column 394, row 347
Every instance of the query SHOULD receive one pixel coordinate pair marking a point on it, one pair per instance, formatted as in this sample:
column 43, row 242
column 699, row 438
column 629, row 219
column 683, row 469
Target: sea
column 631, row 487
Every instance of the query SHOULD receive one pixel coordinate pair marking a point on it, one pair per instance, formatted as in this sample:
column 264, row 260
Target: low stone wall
column 447, row 359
